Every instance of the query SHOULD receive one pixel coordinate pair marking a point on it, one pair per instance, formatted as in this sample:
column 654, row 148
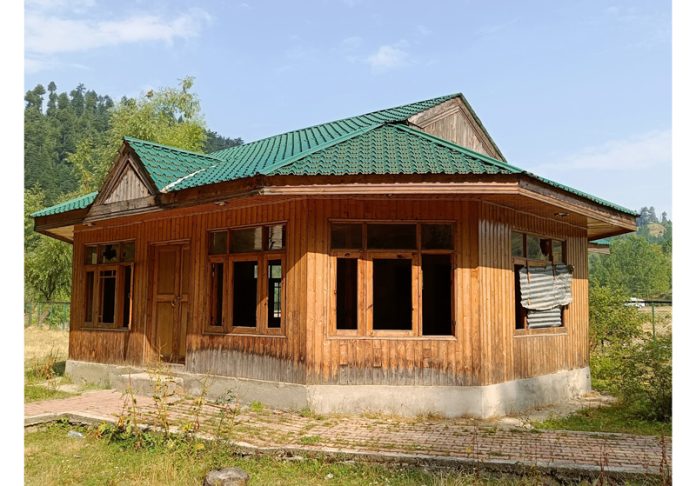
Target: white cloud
column 47, row 34
column 34, row 65
column 643, row 151
column 389, row 57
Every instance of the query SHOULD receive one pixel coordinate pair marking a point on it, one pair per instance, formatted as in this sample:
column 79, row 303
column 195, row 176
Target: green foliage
column 634, row 267
column 169, row 116
column 215, row 142
column 47, row 270
column 642, row 375
column 611, row 322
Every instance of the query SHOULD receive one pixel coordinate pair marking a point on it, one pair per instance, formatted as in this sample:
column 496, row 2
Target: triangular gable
column 455, row 121
column 127, row 188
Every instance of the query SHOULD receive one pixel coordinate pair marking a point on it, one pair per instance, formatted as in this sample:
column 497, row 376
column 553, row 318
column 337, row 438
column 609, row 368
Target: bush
column 642, row 376
column 611, row 322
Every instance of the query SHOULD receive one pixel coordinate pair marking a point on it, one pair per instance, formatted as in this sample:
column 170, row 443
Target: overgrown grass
column 35, row 393
column 53, row 458
column 615, row 418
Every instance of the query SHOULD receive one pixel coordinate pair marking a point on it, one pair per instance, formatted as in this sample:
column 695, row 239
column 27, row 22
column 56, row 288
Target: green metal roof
column 375, row 143
column 80, row 202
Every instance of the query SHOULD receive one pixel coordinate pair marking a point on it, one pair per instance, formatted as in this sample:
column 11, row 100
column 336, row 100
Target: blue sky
column 579, row 92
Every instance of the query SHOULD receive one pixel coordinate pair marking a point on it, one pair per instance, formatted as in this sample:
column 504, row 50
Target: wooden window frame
column 365, row 258
column 119, row 267
column 261, row 257
column 531, row 262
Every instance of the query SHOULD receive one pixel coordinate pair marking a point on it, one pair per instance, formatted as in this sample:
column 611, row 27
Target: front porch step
column 147, row 383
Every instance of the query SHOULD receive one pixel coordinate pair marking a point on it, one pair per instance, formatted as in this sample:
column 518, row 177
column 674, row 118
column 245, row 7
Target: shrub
column 642, row 376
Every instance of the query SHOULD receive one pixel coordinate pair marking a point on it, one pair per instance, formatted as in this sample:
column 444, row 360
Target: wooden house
column 377, row 262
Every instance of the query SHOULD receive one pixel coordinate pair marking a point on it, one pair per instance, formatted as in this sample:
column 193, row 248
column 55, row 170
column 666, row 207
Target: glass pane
column 90, row 255
column 391, row 236
column 346, row 236
column 108, row 253
column 276, row 237
column 437, row 295
column 126, row 294
column 217, row 242
column 128, row 251
column 517, row 244
column 534, row 248
column 248, row 239
column 275, row 272
column 244, row 295
column 437, row 237
column 107, row 296
column 217, row 278
column 346, row 293
column 391, row 294
column 558, row 251
column 546, row 249
column 89, row 293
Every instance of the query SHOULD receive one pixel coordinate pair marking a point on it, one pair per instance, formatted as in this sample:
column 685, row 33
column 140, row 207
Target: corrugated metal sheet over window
column 543, row 291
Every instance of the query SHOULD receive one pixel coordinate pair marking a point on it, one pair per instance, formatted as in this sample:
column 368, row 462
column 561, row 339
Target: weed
column 310, row 439
column 256, row 406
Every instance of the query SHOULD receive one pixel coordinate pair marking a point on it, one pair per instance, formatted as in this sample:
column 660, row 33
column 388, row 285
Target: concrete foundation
column 448, row 401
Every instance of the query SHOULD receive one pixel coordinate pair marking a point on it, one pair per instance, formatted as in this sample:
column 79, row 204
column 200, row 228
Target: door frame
column 150, row 325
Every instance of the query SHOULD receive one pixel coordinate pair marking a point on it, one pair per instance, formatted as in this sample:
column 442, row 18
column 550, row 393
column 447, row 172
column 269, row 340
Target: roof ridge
column 460, row 148
column 129, row 139
column 445, row 98
column 325, row 145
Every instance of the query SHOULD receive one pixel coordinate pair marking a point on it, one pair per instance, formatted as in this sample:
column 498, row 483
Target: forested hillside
column 70, row 140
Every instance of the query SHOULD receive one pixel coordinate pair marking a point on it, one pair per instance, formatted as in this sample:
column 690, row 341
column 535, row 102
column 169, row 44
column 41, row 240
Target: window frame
column 119, row 267
column 261, row 257
column 365, row 257
column 535, row 262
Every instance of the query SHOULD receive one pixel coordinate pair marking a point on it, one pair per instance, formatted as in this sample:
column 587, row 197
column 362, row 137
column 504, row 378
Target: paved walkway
column 394, row 438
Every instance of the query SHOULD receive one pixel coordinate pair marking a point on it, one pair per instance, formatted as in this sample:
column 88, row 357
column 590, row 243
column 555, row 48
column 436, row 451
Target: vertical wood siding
column 484, row 349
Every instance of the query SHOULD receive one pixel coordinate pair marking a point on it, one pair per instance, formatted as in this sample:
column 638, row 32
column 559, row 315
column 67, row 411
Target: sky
column 579, row 92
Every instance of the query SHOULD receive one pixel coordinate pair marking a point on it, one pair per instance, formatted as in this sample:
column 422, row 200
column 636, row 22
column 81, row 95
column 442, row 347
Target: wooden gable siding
column 129, row 187
column 453, row 121
column 261, row 357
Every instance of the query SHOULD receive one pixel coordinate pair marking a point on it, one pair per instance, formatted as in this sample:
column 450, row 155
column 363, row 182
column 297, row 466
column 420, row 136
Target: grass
column 53, row 458
column 615, row 418
column 45, row 352
column 35, row 393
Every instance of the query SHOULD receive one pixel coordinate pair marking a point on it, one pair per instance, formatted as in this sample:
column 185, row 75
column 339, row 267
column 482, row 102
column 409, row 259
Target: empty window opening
column 391, row 294
column 217, row 279
column 127, row 272
column 520, row 311
column 437, row 295
column 244, row 294
column 107, row 296
column 89, row 296
column 391, row 236
column 275, row 273
column 346, row 293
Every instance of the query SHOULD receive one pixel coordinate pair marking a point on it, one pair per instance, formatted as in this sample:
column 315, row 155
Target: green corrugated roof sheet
column 69, row 205
column 375, row 143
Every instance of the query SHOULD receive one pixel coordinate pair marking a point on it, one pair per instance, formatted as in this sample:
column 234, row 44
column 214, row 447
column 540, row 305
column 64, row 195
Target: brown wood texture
column 484, row 349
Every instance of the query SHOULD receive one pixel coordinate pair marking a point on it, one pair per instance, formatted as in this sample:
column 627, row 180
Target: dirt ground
column 40, row 342
column 663, row 318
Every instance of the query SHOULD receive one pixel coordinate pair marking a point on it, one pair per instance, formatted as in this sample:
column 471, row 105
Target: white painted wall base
column 448, row 401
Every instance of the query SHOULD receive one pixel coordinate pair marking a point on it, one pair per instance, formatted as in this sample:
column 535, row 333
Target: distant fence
column 52, row 314
column 652, row 303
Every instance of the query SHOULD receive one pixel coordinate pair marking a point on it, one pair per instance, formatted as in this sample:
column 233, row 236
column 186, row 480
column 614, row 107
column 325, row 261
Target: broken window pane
column 517, row 244
column 128, row 251
column 534, row 248
column 217, row 242
column 558, row 252
column 90, row 255
column 276, row 237
column 275, row 273
column 108, row 253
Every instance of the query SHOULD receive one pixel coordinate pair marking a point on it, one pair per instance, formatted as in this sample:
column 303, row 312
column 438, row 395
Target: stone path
column 441, row 440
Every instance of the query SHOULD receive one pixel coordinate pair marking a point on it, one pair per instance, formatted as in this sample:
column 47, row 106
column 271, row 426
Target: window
column 535, row 255
column 108, row 280
column 403, row 271
column 246, row 279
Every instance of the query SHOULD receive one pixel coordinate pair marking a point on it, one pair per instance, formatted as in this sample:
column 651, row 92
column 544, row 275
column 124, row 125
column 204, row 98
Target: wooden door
column 170, row 300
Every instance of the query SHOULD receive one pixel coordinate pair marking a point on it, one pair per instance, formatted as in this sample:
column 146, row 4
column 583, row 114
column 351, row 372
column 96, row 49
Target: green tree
column 169, row 116
column 635, row 267
column 611, row 321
